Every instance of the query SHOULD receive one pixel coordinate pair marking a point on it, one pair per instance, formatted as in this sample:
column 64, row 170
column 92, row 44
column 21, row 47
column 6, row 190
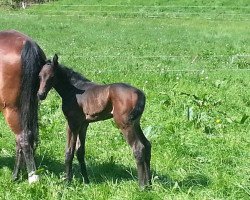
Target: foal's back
column 116, row 100
column 128, row 103
column 123, row 96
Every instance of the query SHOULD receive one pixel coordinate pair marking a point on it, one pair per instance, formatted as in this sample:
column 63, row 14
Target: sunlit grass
column 194, row 70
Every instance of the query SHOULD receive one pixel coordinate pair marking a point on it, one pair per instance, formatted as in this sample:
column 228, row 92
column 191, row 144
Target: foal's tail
column 33, row 58
column 139, row 107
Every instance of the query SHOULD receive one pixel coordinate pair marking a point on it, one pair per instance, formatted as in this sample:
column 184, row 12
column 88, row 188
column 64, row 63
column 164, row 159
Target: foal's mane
column 73, row 77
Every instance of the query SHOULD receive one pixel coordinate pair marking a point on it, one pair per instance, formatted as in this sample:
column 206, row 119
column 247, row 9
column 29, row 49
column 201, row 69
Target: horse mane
column 72, row 76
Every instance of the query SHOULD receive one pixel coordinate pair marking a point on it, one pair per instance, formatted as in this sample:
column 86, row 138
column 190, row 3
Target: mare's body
column 20, row 62
column 84, row 102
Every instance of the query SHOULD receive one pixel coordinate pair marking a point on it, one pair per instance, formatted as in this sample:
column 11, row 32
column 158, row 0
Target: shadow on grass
column 56, row 166
column 7, row 162
column 191, row 180
column 98, row 172
column 111, row 171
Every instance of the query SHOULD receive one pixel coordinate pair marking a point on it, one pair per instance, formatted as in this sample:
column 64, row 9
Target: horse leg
column 69, row 155
column 28, row 153
column 141, row 149
column 23, row 145
column 81, row 152
column 19, row 158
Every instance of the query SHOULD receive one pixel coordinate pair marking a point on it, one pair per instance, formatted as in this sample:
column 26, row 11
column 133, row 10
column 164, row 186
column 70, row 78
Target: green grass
column 191, row 58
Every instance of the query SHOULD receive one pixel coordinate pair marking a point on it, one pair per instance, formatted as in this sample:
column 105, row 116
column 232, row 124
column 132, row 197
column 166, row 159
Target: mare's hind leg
column 23, row 146
column 69, row 155
column 19, row 159
column 81, row 152
column 141, row 148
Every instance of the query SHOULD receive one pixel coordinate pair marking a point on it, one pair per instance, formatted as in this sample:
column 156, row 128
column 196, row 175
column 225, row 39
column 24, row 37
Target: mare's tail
column 33, row 58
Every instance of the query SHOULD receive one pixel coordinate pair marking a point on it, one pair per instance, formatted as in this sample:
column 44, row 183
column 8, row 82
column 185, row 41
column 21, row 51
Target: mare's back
column 11, row 43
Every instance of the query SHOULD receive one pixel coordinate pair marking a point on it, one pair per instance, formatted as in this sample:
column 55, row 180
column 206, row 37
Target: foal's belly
column 98, row 116
column 95, row 104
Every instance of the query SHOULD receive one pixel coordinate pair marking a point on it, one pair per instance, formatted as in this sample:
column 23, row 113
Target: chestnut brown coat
column 20, row 62
column 84, row 102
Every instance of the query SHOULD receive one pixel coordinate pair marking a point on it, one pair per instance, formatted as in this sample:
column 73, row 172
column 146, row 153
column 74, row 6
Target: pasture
column 192, row 60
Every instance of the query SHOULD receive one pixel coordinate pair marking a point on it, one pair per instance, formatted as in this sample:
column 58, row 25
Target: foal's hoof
column 145, row 186
column 33, row 178
column 14, row 178
column 67, row 180
column 86, row 181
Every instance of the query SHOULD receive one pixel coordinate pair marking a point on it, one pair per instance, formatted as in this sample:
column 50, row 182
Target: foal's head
column 46, row 77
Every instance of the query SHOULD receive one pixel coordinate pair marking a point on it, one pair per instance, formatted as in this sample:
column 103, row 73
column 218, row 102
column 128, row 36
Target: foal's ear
column 55, row 60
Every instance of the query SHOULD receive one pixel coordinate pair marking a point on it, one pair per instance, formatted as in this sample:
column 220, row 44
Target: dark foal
column 20, row 62
column 84, row 102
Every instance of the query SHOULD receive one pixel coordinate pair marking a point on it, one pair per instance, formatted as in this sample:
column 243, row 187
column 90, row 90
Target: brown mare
column 20, row 62
column 84, row 102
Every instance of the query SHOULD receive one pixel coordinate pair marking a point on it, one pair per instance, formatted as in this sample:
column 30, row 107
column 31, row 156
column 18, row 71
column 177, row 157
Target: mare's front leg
column 69, row 155
column 81, row 152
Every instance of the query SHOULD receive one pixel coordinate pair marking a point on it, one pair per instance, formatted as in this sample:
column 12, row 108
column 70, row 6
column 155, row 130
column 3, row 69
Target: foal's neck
column 63, row 85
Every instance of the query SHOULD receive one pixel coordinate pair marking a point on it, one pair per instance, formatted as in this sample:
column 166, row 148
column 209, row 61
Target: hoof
column 147, row 185
column 14, row 178
column 86, row 181
column 67, row 179
column 33, row 177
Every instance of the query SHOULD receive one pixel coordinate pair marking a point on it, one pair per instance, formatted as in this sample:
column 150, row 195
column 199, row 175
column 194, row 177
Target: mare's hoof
column 33, row 178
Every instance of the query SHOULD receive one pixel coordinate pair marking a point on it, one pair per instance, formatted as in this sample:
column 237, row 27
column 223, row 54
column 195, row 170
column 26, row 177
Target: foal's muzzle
column 41, row 96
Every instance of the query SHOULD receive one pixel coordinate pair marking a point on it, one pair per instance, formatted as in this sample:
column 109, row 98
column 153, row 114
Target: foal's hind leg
column 69, row 155
column 81, row 152
column 141, row 148
column 142, row 153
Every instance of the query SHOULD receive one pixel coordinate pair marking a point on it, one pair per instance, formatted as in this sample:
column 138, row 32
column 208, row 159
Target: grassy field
column 192, row 60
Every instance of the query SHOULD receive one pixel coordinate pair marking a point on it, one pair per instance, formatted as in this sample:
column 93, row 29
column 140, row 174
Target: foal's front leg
column 81, row 152
column 69, row 155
